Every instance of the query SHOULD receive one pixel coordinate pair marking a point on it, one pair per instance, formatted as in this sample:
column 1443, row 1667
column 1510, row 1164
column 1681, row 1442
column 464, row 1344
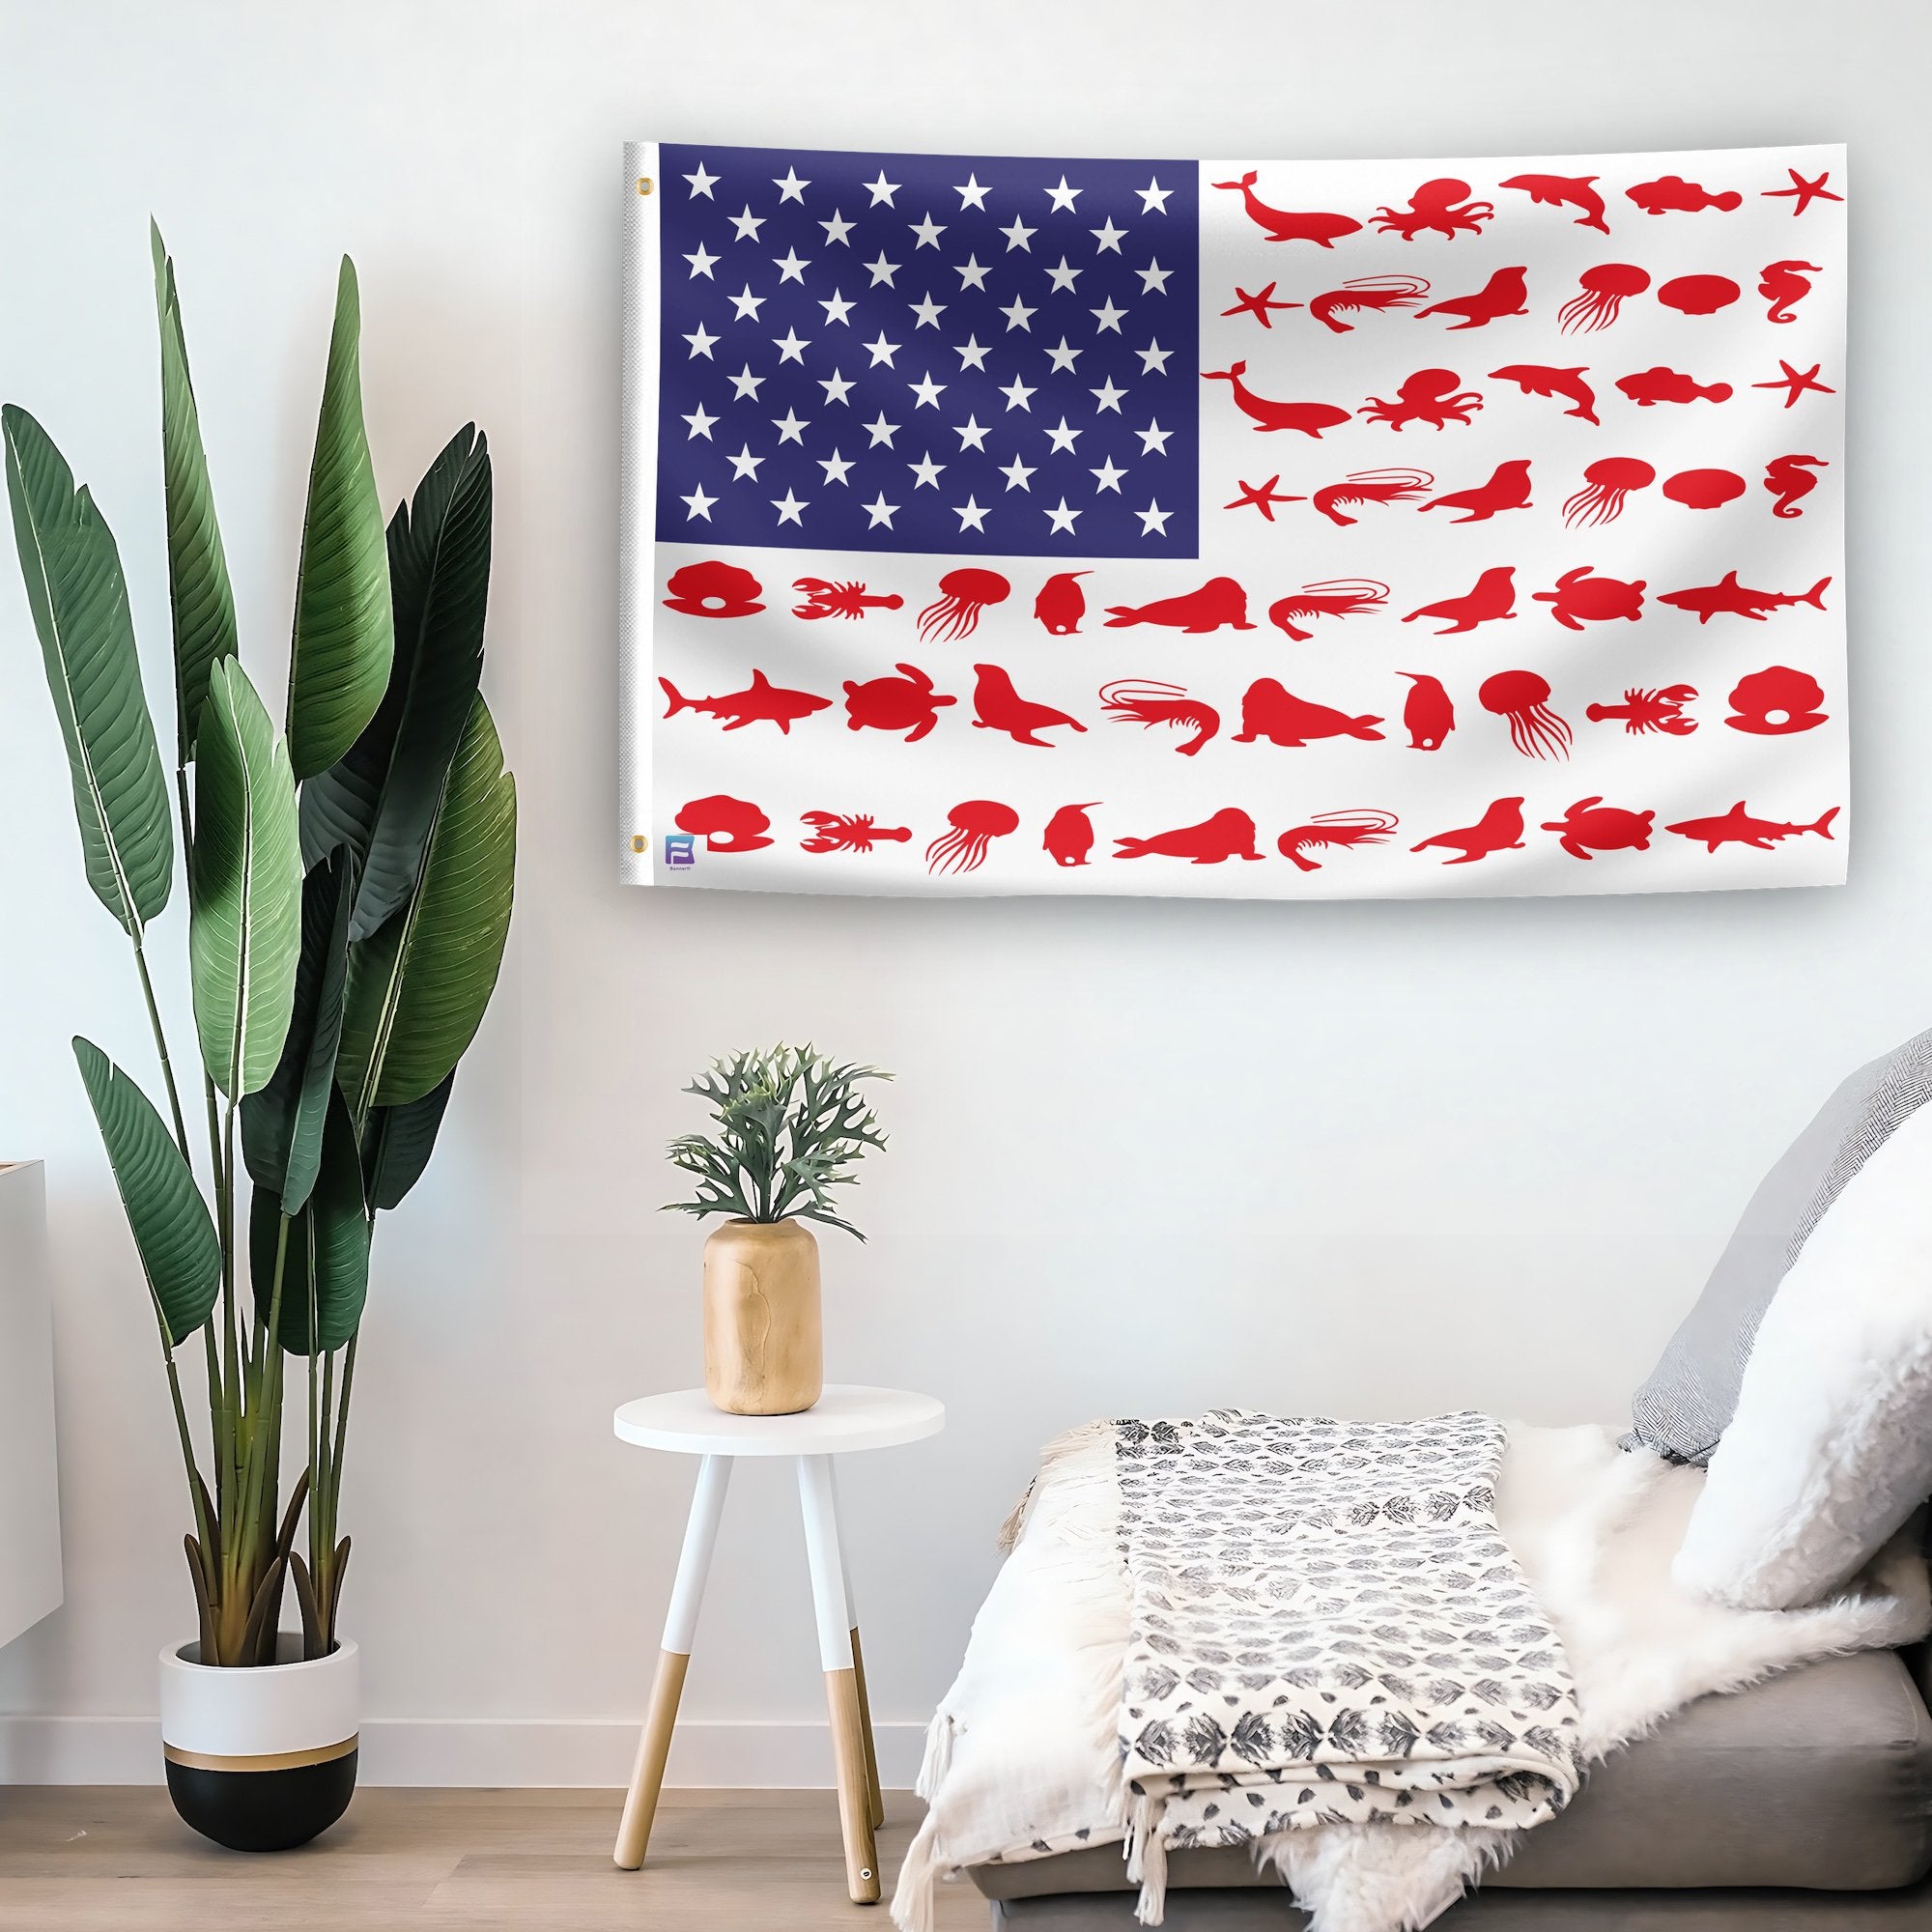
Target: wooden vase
column 764, row 1348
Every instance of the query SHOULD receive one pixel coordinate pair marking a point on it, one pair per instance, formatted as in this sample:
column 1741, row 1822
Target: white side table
column 844, row 1418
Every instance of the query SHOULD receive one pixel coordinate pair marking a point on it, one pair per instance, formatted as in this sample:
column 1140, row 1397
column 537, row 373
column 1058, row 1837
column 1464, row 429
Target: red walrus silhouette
column 1508, row 489
column 1310, row 418
column 1069, row 834
column 1002, row 708
column 1492, row 598
column 1062, row 604
column 1428, row 716
column 1498, row 829
column 1229, row 835
column 1505, row 293
column 1271, row 711
column 1285, row 225
column 1220, row 601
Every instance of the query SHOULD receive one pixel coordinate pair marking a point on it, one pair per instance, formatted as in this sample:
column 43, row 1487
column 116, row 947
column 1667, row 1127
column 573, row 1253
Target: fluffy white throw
column 1023, row 1756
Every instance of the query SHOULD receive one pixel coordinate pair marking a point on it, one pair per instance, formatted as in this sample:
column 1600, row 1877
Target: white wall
column 1148, row 1157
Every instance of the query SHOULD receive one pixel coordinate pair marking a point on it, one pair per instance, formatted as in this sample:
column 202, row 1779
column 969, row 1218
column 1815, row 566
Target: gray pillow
column 1691, row 1394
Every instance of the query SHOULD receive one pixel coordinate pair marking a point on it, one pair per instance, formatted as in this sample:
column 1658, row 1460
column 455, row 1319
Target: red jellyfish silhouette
column 1523, row 698
column 975, row 824
column 1505, row 293
column 1699, row 295
column 1606, row 482
column 1429, row 396
column 1704, row 489
column 1492, row 598
column 1337, row 831
column 1069, row 834
column 1438, row 207
column 1602, row 292
column 1228, row 834
column 1062, row 604
column 1332, row 597
column 1561, row 190
column 1789, row 478
column 713, row 589
column 1365, row 294
column 1148, row 703
column 1508, row 489
column 1775, row 703
column 1785, row 285
column 724, row 823
column 1498, row 829
column 1428, row 716
column 963, row 595
column 848, row 832
column 1001, row 708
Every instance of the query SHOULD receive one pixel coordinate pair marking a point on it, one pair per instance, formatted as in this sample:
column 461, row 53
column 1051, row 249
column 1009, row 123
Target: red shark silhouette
column 760, row 702
column 1705, row 601
column 1498, row 829
column 1069, row 834
column 1229, row 835
column 1220, row 601
column 1272, row 712
column 1283, row 225
column 1001, row 708
column 1540, row 379
column 1492, row 598
column 1672, row 194
column 1508, row 489
column 1505, row 293
column 1737, row 827
column 1310, row 418
column 1560, row 191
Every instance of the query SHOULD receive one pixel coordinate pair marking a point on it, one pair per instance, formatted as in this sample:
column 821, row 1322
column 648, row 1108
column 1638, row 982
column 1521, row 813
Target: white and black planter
column 261, row 1760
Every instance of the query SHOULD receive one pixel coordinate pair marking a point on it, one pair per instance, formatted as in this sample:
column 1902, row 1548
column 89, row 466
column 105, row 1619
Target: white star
column 1154, row 357
column 698, row 505
column 1154, row 197
column 836, row 387
column 1063, row 438
column 1153, row 279
column 837, row 308
column 883, row 270
column 970, row 516
column 928, row 231
column 702, row 264
column 791, row 347
column 788, row 508
column 747, row 224
column 1018, row 234
column 971, row 355
column 837, row 230
column 745, row 464
column 926, row 391
column 790, row 266
column 882, row 349
column 1153, row 438
column 970, row 275
column 1063, row 278
column 791, row 188
column 1016, row 473
column 1108, row 237
column 700, row 339
column 1061, row 519
column 882, row 430
column 700, row 424
column 1063, row 196
column 926, row 313
column 1108, row 316
column 1107, row 477
column 744, row 384
column 971, row 436
column 1016, row 394
column 1016, row 313
column 746, row 304
column 882, row 189
column 835, row 466
column 702, row 183
column 925, row 472
column 1107, row 396
column 1063, row 358
column 1153, row 520
column 879, row 510
column 790, row 427
column 971, row 194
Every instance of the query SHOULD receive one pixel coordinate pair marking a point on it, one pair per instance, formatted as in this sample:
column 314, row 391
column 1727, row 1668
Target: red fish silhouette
column 1505, row 293
column 1338, row 830
column 1789, row 479
column 1539, row 379
column 1650, row 386
column 1001, row 708
column 1737, row 827
column 1592, row 825
column 1220, row 601
column 1672, row 194
column 1508, row 489
column 1784, row 286
column 1492, row 598
column 1565, row 190
column 1775, row 703
column 1310, row 418
column 1229, row 835
column 905, row 703
column 1069, row 834
column 1499, row 830
column 1284, row 225
column 1062, row 604
column 1272, row 712
column 1729, row 597
column 1426, row 716
column 1582, row 597
column 849, row 831
column 724, row 823
column 714, row 589
column 760, row 702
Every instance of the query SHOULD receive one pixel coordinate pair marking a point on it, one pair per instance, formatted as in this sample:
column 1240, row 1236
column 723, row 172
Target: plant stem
column 161, row 1047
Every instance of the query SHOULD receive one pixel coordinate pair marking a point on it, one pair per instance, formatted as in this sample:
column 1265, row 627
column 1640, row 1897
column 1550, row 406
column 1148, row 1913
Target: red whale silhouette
column 1492, row 598
column 1271, row 711
column 1001, row 708
column 1229, row 835
column 1220, row 601
column 1283, row 224
column 1310, row 418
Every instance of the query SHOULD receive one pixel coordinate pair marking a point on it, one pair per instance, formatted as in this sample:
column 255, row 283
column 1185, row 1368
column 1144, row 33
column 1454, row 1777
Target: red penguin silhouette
column 1508, row 489
column 1272, row 712
column 1498, row 829
column 1492, row 598
column 1229, row 835
column 1426, row 716
column 1001, row 708
column 1505, row 293
column 1062, row 604
column 1220, row 601
column 1069, row 834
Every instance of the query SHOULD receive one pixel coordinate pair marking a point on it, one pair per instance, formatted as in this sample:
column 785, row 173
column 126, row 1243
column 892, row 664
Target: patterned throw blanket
column 1326, row 1626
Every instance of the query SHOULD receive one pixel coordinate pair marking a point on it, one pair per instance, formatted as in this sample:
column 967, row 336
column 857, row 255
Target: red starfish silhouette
column 1795, row 381
column 1802, row 193
column 1257, row 306
column 1261, row 496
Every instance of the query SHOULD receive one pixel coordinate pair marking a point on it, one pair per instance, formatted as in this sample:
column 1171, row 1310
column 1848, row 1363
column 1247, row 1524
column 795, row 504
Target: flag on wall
column 1234, row 528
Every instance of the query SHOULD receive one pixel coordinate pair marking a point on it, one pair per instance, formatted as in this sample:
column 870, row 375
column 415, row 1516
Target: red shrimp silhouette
column 837, row 599
column 1438, row 207
column 1699, row 295
column 1645, row 710
column 1704, row 489
column 962, row 595
column 1365, row 295
column 1334, row 597
column 1539, row 379
column 1651, row 387
column 1583, row 597
column 1784, row 286
column 1672, row 194
column 1001, row 708
column 1310, row 418
column 1606, row 482
column 1219, row 602
column 1429, row 396
column 905, row 703
column 1775, row 703
column 1069, row 834
column 1148, row 702
column 1565, row 190
column 1500, row 829
column 1504, row 293
column 1336, row 830
column 848, row 832
column 1426, row 716
column 1523, row 698
column 1789, row 479
column 1282, row 224
column 1062, row 604
column 1230, row 834
column 975, row 824
column 1508, row 489
column 1271, row 711
column 1493, row 599
column 1260, row 305
column 724, row 823
column 714, row 589
column 1370, row 486
column 1592, row 826
column 1601, row 293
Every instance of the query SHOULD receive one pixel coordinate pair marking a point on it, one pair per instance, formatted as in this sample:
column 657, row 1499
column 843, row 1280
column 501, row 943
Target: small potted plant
column 789, row 1127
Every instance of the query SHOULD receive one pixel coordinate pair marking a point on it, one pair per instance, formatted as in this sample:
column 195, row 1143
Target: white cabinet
column 30, row 1559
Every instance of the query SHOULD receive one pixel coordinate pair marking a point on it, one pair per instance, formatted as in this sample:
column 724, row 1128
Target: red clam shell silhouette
column 1699, row 295
column 1777, row 701
column 713, row 589
column 1705, row 489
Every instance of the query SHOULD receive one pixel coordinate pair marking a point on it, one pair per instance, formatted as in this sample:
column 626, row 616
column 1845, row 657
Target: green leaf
column 173, row 1232
column 344, row 636
column 281, row 1126
column 79, row 602
column 381, row 797
column 397, row 1144
column 199, row 595
column 245, row 887
column 418, row 988
column 325, row 1265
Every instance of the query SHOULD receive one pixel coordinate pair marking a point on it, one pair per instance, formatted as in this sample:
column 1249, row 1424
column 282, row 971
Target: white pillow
column 1830, row 1448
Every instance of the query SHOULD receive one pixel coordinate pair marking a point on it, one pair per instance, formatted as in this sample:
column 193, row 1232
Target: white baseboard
column 479, row 1751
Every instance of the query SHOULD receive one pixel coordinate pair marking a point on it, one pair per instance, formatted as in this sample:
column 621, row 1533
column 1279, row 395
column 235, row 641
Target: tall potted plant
column 349, row 884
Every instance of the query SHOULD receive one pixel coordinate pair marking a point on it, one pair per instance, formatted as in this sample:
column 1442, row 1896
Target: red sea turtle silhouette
column 1590, row 825
column 713, row 589
column 1583, row 597
column 905, row 703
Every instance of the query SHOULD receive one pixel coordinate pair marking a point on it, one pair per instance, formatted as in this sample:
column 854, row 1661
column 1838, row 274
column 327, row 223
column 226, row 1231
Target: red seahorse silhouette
column 1789, row 478
column 1785, row 285
column 1559, row 190
column 1284, row 225
column 1310, row 418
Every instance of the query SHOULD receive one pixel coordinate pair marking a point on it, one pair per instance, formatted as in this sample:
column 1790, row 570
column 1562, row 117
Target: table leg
column 876, row 1796
column 820, row 1510
column 694, row 1563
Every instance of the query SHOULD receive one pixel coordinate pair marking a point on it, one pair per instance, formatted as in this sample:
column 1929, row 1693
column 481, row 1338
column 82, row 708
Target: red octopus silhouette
column 1789, row 479
column 1699, row 295
column 1645, row 710
column 1504, row 293
column 1334, row 597
column 1283, row 224
column 1601, row 293
column 1784, row 286
column 1539, row 379
column 1607, row 483
column 1500, row 829
column 1361, row 487
column 1583, row 597
column 1310, row 418
column 1672, row 194
column 1365, row 295
column 1148, row 702
column 962, row 595
column 1429, row 396
column 1438, row 207
column 1565, row 190
column 1230, row 834
column 1775, row 703
column 724, row 823
column 848, row 832
column 975, row 824
column 1508, row 489
column 1336, row 830
column 1493, row 599
column 1523, row 698
column 1704, row 489
column 1001, row 708
column 1069, row 834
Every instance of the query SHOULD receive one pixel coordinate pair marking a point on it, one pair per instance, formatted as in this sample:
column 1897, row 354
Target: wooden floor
column 116, row 1859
